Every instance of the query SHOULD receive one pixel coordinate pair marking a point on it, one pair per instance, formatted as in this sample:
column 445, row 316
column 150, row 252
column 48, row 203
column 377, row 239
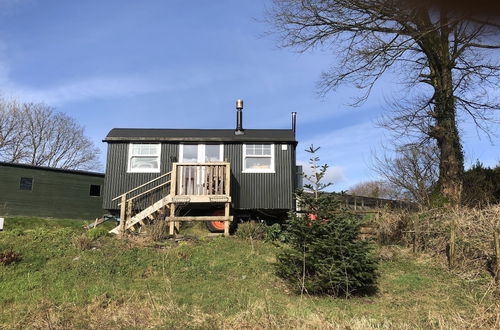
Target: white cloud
column 334, row 174
column 96, row 87
column 348, row 151
column 91, row 88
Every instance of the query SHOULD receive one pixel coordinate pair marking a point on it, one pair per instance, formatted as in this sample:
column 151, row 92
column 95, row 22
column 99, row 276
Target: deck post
column 171, row 221
column 173, row 180
column 226, row 223
column 123, row 214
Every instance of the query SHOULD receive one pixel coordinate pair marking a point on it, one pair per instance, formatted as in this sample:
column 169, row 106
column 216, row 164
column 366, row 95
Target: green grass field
column 207, row 283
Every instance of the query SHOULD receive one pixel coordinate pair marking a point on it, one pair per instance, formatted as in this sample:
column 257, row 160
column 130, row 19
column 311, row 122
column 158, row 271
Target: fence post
column 453, row 234
column 496, row 240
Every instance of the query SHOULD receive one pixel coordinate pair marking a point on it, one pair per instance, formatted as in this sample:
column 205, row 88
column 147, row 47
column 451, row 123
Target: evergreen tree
column 324, row 254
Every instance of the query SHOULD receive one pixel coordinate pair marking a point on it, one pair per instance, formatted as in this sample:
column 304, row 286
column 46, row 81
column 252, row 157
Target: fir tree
column 324, row 254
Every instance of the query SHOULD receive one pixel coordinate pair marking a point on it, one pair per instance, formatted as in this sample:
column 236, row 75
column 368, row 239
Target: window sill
column 258, row 171
column 144, row 171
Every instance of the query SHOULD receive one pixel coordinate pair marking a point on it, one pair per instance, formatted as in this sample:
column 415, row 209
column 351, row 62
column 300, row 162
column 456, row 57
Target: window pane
column 145, row 149
column 212, row 153
column 95, row 190
column 266, row 149
column 258, row 149
column 258, row 163
column 144, row 163
column 190, row 153
column 26, row 184
column 250, row 149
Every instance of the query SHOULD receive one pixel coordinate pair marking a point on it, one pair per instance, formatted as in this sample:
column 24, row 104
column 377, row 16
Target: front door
column 193, row 177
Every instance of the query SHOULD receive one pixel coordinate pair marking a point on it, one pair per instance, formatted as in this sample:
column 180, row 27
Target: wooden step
column 144, row 214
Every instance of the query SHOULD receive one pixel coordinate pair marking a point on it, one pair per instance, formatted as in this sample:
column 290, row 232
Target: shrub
column 8, row 257
column 251, row 230
column 324, row 254
column 95, row 233
column 82, row 242
column 158, row 230
column 274, row 233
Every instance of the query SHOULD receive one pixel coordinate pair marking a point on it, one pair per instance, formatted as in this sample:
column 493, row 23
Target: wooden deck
column 162, row 197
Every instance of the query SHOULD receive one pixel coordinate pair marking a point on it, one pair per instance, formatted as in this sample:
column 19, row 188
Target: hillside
column 66, row 281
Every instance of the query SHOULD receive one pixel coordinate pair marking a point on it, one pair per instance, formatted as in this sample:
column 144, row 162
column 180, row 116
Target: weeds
column 251, row 230
column 218, row 283
column 9, row 257
column 82, row 242
column 429, row 231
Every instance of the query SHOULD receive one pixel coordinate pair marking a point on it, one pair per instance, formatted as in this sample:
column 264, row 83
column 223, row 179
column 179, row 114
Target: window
column 26, row 184
column 95, row 190
column 201, row 153
column 144, row 158
column 258, row 158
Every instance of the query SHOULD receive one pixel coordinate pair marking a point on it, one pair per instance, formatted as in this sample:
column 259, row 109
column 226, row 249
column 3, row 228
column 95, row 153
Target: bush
column 82, row 242
column 251, row 230
column 158, row 230
column 327, row 257
column 9, row 257
column 95, row 233
column 274, row 233
column 324, row 253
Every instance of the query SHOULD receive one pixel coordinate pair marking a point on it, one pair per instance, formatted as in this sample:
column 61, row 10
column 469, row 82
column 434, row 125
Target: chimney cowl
column 239, row 118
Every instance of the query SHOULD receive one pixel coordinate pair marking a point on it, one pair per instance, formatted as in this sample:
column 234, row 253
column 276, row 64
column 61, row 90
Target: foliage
column 443, row 59
column 274, row 233
column 215, row 283
column 82, row 242
column 9, row 257
column 260, row 231
column 376, row 189
column 429, row 231
column 251, row 230
column 95, row 233
column 158, row 230
column 33, row 133
column 413, row 170
column 481, row 185
column 324, row 254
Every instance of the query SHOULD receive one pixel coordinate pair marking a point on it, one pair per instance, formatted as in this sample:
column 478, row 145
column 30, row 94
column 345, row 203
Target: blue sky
column 178, row 64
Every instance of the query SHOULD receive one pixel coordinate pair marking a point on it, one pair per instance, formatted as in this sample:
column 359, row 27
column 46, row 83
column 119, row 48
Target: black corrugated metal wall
column 248, row 190
column 119, row 181
column 262, row 190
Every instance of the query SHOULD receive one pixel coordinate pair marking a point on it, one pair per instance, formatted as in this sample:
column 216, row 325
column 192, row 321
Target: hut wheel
column 216, row 226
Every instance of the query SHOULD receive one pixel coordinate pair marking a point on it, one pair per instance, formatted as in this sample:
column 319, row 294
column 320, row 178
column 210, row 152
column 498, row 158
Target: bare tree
column 413, row 169
column 441, row 55
column 37, row 135
column 377, row 189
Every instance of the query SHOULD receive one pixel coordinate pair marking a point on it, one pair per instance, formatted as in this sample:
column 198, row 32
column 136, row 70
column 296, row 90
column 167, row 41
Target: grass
column 211, row 282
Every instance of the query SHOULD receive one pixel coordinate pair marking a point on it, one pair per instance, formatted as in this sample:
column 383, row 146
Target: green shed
column 50, row 192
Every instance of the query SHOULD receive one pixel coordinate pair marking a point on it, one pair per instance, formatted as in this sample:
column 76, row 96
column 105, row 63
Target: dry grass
column 163, row 312
column 429, row 231
column 216, row 283
column 82, row 242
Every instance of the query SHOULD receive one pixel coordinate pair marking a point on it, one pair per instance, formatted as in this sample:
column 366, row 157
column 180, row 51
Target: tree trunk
column 445, row 130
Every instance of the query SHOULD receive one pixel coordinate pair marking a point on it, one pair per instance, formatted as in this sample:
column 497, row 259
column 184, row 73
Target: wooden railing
column 201, row 179
column 186, row 179
column 140, row 197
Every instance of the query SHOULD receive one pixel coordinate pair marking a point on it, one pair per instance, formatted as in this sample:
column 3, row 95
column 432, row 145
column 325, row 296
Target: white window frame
column 144, row 170
column 258, row 170
column 201, row 152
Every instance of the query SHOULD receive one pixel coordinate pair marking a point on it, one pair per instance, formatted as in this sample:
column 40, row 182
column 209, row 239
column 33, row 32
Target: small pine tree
column 324, row 254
